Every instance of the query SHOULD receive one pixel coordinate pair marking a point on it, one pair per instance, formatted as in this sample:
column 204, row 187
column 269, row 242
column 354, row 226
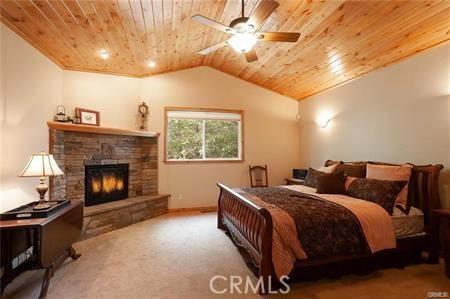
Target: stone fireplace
column 114, row 171
column 75, row 150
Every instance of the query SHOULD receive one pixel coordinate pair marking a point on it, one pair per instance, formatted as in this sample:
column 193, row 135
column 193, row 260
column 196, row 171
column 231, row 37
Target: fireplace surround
column 79, row 149
column 73, row 151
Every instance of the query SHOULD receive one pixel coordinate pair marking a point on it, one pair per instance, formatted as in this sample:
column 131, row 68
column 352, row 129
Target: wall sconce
column 323, row 123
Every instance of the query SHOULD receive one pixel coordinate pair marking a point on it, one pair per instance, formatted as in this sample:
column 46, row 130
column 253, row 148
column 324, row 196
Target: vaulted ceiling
column 340, row 40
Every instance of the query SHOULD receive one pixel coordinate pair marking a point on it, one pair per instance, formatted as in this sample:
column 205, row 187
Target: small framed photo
column 88, row 117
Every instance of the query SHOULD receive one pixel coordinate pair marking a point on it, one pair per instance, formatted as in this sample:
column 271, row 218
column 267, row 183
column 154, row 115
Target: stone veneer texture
column 104, row 222
column 74, row 150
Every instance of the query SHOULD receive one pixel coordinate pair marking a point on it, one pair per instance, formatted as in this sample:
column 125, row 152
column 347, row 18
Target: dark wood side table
column 441, row 224
column 292, row 181
column 51, row 240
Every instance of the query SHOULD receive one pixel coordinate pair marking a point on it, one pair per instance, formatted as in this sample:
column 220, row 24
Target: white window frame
column 233, row 113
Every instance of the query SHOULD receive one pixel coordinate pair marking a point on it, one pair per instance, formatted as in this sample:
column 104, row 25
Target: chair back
column 258, row 176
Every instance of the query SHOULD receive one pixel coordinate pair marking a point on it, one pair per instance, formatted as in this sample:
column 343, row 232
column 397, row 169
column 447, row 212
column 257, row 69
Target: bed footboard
column 250, row 226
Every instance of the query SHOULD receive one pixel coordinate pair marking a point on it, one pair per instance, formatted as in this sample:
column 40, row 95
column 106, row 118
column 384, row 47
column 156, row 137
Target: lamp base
column 41, row 206
column 42, row 189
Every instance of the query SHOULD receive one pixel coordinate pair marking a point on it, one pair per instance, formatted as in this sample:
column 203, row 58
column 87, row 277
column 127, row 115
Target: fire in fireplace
column 104, row 183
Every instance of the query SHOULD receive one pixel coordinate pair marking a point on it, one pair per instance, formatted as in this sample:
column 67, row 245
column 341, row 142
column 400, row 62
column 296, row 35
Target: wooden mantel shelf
column 99, row 130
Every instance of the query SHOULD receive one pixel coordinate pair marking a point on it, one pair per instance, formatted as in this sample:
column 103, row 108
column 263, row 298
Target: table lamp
column 41, row 165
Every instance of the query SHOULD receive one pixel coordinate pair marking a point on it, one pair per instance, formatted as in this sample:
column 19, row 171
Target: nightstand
column 292, row 181
column 51, row 240
column 442, row 224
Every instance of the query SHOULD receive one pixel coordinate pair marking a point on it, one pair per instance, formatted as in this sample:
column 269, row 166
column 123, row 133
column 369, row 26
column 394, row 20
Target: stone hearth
column 103, row 218
column 75, row 146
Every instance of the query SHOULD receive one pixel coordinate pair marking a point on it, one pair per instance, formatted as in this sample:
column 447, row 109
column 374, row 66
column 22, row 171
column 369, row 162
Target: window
column 203, row 135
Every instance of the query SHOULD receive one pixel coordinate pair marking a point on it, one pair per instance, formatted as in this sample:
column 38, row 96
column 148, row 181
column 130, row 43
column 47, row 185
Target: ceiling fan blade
column 262, row 12
column 213, row 48
column 211, row 23
column 251, row 56
column 290, row 37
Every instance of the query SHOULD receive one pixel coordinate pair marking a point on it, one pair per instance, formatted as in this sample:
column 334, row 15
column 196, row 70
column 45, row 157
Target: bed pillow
column 382, row 192
column 348, row 181
column 353, row 169
column 312, row 176
column 392, row 173
column 328, row 169
column 331, row 183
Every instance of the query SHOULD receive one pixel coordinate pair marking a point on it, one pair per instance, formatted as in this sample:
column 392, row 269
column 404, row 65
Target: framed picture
column 88, row 117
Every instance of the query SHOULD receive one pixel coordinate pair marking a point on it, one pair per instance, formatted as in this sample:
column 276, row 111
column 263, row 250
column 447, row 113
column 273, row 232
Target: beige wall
column 271, row 129
column 397, row 114
column 31, row 90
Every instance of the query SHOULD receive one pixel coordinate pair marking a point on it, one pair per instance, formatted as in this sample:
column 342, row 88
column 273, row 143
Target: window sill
column 203, row 161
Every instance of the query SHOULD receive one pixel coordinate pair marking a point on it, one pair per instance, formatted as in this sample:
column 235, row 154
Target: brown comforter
column 324, row 228
column 308, row 226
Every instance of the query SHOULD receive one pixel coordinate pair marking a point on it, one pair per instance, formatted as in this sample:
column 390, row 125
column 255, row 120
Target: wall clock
column 143, row 115
column 143, row 108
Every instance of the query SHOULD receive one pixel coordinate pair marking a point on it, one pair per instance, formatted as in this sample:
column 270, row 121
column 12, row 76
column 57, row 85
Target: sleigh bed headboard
column 423, row 192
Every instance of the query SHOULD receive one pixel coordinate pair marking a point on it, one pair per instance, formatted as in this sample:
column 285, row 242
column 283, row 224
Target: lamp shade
column 41, row 165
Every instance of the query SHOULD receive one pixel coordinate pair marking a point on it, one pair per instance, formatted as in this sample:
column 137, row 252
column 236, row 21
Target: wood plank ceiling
column 340, row 40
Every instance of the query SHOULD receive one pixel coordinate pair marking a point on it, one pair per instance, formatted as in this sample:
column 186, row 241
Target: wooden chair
column 258, row 176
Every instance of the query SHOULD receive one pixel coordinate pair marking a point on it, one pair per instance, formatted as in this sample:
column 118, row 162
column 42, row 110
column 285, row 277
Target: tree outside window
column 203, row 135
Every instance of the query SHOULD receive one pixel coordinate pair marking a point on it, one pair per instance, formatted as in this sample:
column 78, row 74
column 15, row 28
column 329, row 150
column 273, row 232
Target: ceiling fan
column 245, row 31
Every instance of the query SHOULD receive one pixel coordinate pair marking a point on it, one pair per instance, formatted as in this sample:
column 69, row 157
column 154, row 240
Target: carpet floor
column 176, row 255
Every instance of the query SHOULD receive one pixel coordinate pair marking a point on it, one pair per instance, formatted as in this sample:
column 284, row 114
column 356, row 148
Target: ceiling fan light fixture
column 245, row 31
column 243, row 42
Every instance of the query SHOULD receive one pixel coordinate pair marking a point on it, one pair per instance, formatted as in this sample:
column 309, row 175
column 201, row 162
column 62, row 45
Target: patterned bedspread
column 324, row 228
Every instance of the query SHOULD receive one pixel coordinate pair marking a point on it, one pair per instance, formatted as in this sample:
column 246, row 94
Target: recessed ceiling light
column 151, row 64
column 104, row 54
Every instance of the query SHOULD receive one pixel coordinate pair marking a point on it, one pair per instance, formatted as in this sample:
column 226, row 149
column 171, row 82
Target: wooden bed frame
column 250, row 228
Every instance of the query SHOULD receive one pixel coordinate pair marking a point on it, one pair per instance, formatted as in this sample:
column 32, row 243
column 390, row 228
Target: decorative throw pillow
column 311, row 177
column 348, row 181
column 353, row 169
column 328, row 169
column 392, row 173
column 331, row 183
column 381, row 192
column 331, row 162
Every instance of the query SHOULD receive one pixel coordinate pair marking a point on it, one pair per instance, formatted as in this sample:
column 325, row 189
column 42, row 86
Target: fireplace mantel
column 99, row 130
